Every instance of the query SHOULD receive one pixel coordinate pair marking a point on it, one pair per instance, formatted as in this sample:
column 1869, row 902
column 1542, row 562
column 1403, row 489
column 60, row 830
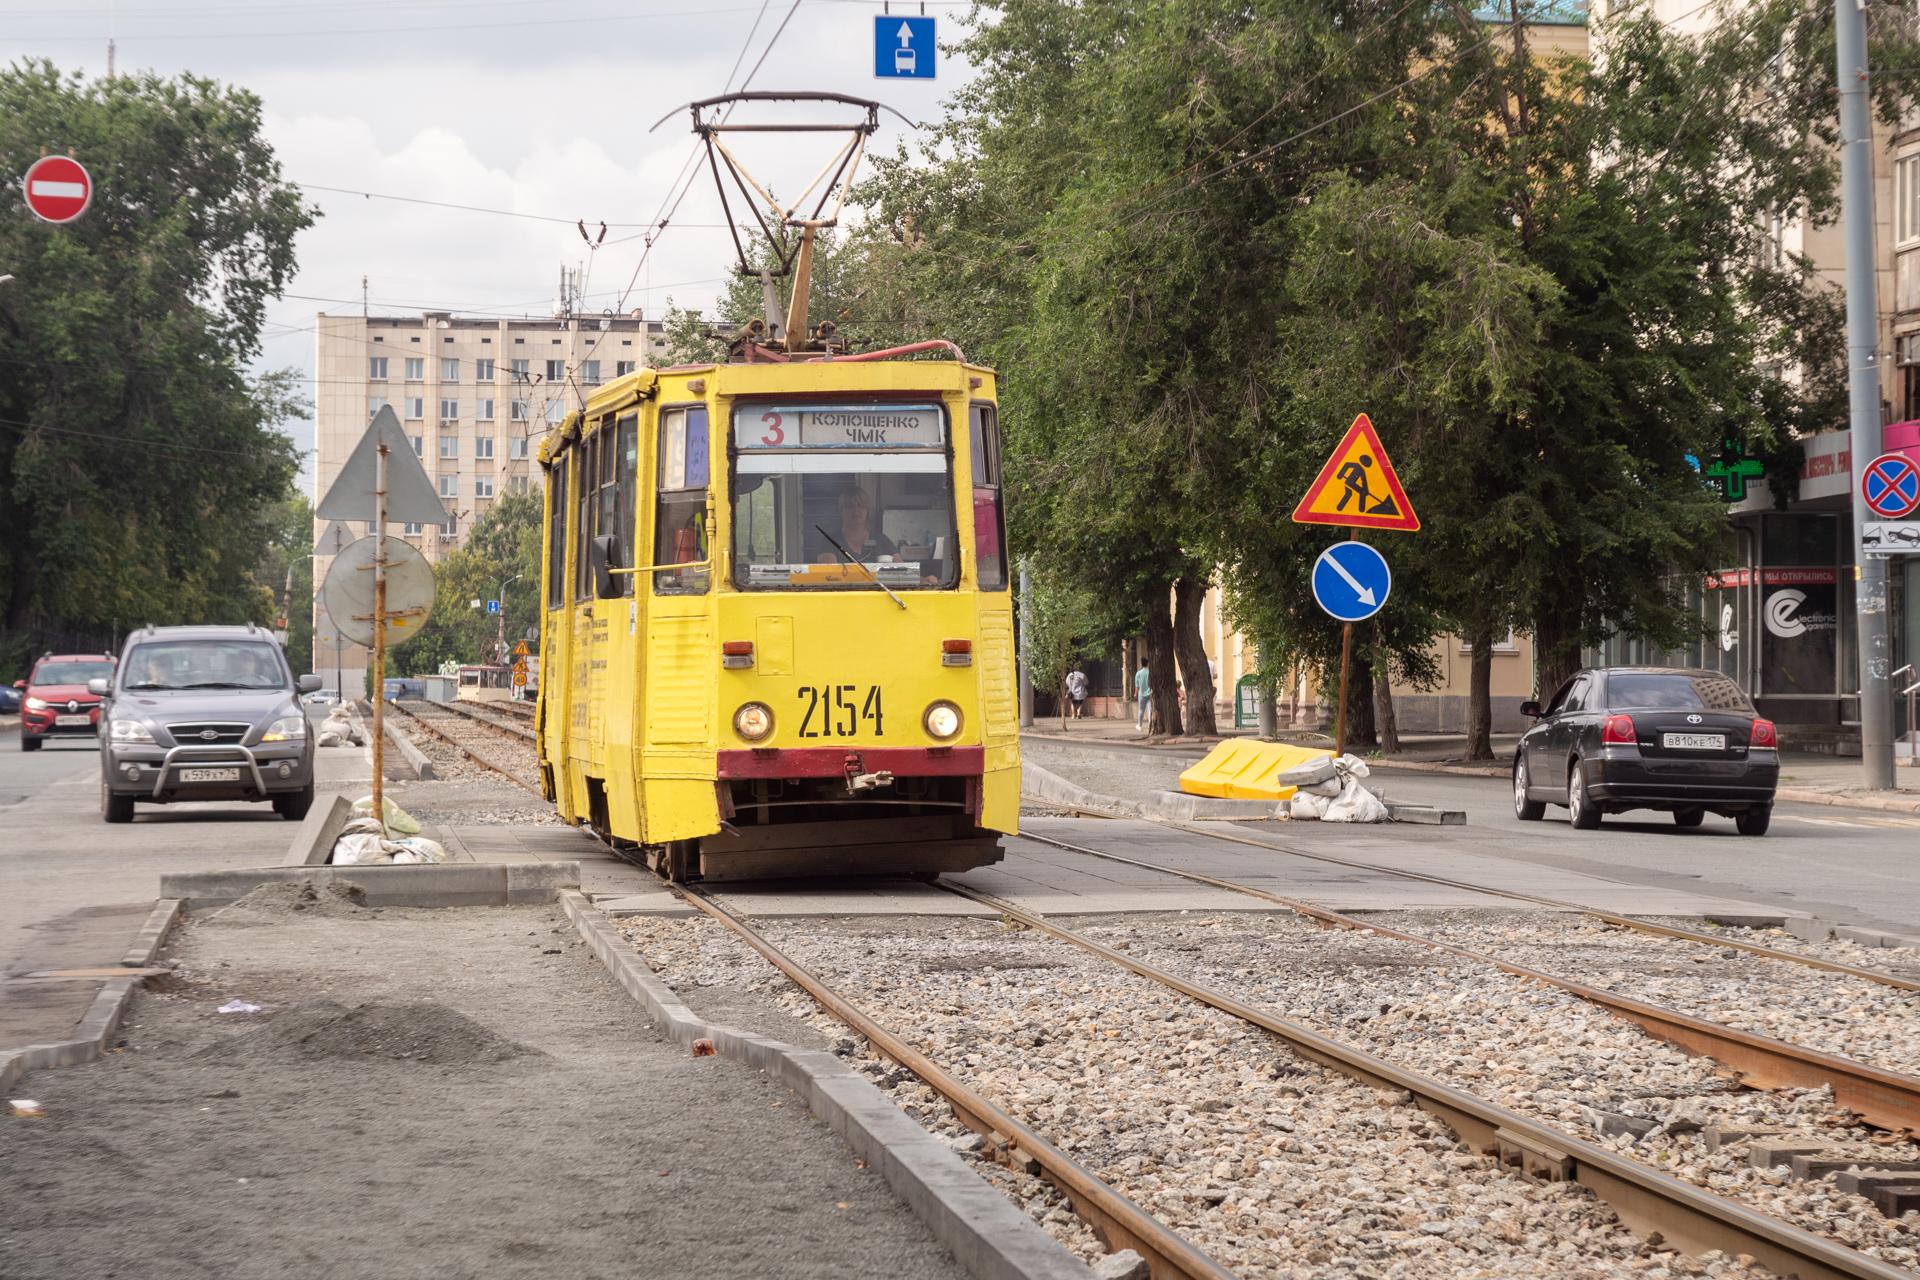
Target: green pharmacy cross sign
column 1733, row 468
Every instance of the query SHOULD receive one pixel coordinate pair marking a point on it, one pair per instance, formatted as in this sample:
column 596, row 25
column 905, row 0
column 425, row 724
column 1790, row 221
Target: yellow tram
column 776, row 625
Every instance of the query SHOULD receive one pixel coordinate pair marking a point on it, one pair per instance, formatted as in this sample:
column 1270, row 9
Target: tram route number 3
column 838, row 710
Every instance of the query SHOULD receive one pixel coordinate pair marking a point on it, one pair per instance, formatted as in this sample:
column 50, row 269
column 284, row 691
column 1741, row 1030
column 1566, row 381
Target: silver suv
column 204, row 713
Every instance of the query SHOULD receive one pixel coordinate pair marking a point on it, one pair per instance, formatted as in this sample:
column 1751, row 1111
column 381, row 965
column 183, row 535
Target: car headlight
column 753, row 721
column 942, row 720
column 129, row 731
column 36, row 704
column 286, row 729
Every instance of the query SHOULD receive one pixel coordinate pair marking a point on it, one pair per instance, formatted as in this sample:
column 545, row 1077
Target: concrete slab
column 313, row 839
column 446, row 885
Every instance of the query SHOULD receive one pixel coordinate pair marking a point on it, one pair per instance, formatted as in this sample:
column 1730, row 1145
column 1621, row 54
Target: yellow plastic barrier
column 1241, row 770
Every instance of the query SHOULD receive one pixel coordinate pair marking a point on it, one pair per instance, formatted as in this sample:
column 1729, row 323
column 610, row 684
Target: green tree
column 141, row 470
column 286, row 575
column 503, row 546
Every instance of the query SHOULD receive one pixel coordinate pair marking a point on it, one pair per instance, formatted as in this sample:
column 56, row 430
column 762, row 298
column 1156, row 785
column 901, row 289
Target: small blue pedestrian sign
column 493, row 606
column 903, row 48
column 1351, row 581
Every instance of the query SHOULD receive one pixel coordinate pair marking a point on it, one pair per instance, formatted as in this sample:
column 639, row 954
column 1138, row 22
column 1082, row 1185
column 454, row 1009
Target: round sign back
column 57, row 188
column 348, row 591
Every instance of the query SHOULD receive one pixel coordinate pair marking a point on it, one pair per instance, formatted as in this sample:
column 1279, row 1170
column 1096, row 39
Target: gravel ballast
column 1269, row 1163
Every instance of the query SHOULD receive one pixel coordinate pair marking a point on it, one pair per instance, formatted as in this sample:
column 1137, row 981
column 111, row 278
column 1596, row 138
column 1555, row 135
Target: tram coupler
column 859, row 781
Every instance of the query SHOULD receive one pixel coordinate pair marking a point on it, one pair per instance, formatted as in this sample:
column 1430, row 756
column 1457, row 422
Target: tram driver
column 856, row 533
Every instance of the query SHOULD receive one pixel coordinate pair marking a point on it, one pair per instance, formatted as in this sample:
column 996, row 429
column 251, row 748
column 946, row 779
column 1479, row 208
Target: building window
column 483, row 486
column 483, row 447
column 375, row 404
column 483, row 371
column 450, row 487
column 1906, row 352
column 449, row 410
column 590, row 372
column 449, row 446
column 1906, row 199
column 556, row 370
column 519, row 484
column 622, row 368
column 449, row 369
column 520, row 411
column 416, row 368
column 517, row 449
column 411, row 530
column 522, row 370
column 419, row 446
column 483, row 410
column 416, row 407
column 556, row 411
column 377, row 368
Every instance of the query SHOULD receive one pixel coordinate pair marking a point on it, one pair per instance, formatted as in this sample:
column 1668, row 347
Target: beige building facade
column 474, row 396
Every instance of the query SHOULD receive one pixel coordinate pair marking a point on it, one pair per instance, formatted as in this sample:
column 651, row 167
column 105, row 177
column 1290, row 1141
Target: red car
column 56, row 703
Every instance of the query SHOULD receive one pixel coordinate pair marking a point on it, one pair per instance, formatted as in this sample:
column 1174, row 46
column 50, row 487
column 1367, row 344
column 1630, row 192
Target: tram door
column 557, row 694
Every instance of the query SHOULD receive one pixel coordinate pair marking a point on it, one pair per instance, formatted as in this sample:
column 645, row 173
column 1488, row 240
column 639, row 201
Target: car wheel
column 115, row 808
column 1754, row 822
column 1524, row 809
column 1581, row 810
column 29, row 744
column 1687, row 819
column 293, row 805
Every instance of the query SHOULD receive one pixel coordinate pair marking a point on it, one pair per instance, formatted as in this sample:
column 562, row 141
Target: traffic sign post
column 903, row 48
column 1891, row 486
column 58, row 189
column 1351, row 582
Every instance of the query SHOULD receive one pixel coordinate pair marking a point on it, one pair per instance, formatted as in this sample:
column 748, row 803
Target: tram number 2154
column 839, row 710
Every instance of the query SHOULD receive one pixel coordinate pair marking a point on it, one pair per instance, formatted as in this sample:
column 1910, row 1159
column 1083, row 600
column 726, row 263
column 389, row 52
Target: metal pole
column 1863, row 385
column 1340, row 709
column 380, row 637
column 1026, row 647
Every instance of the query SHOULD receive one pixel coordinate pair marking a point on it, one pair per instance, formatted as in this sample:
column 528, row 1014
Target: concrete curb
column 1882, row 804
column 990, row 1237
column 103, row 1015
column 312, row 842
column 446, row 884
column 1816, row 929
column 416, row 760
column 1037, row 783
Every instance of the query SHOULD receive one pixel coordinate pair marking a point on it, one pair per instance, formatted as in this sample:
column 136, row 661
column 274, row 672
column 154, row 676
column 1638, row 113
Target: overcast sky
column 532, row 106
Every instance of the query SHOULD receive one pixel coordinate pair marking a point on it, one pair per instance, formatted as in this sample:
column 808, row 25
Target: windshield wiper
column 146, row 684
column 848, row 557
column 220, row 684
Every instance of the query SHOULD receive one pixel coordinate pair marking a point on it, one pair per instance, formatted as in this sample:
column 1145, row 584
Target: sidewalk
column 1805, row 777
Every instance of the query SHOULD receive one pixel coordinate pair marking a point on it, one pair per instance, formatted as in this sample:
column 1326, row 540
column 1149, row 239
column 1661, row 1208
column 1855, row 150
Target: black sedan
column 1618, row 738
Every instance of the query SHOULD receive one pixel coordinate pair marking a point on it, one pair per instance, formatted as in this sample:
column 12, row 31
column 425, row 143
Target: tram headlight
column 942, row 720
column 753, row 721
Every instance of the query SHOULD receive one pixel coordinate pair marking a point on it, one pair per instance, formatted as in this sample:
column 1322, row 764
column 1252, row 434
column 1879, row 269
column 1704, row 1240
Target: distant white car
column 324, row 698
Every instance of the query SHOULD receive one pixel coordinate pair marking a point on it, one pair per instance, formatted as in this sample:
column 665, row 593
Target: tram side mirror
column 600, row 557
column 1531, row 710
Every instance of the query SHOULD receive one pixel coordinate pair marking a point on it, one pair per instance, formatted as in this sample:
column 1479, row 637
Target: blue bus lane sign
column 903, row 48
column 1351, row 581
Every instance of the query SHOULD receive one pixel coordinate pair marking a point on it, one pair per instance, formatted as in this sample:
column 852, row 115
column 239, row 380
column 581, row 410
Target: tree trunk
column 1162, row 686
column 1189, row 593
column 1480, row 688
column 1556, row 648
column 1383, row 700
column 1361, row 735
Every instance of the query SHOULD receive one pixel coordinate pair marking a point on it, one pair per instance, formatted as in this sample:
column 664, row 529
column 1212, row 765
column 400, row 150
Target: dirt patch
column 274, row 903
column 421, row 1032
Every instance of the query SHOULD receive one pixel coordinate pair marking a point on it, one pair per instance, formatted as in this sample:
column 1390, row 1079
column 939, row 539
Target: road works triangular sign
column 410, row 494
column 1358, row 487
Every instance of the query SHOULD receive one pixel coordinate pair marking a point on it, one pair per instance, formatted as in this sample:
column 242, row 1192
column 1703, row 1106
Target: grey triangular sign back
column 410, row 494
column 334, row 539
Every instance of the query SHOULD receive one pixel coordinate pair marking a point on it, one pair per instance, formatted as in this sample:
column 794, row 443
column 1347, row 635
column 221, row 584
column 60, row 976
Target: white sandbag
column 399, row 821
column 418, row 849
column 360, row 851
column 406, row 857
column 1356, row 804
column 1352, row 766
column 1307, row 773
column 328, row 738
column 1308, row 807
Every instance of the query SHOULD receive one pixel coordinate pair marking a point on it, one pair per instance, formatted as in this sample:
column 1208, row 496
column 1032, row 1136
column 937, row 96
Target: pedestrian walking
column 1143, row 694
column 1077, row 691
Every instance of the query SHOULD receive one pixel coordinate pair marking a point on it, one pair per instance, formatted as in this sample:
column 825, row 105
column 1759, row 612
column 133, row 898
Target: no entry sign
column 58, row 189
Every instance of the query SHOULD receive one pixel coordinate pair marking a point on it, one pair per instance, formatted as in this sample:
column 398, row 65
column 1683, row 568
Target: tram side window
column 586, row 466
column 557, row 532
column 989, row 529
column 626, row 467
column 680, row 514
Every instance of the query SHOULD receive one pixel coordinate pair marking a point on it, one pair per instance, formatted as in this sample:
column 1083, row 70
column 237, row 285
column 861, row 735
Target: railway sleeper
column 1891, row 1185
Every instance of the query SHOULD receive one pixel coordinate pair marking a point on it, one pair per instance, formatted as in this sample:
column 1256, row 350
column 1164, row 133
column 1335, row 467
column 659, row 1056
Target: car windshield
column 843, row 498
column 204, row 664
column 1675, row 691
column 72, row 672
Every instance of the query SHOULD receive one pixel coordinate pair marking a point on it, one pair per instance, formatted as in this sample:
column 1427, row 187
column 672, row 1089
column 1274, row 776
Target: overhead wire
column 364, row 33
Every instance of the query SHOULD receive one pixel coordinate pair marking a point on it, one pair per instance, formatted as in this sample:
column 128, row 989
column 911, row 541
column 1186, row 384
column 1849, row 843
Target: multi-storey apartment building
column 474, row 396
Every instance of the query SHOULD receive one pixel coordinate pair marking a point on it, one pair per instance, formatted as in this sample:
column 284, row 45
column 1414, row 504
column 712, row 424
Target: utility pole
column 1863, row 384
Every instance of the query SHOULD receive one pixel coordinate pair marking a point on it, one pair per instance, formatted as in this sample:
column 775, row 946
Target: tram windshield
column 853, row 497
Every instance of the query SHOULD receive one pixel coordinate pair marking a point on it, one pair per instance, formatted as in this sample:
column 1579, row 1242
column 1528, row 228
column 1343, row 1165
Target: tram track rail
column 433, row 728
column 473, row 713
column 1886, row 1099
